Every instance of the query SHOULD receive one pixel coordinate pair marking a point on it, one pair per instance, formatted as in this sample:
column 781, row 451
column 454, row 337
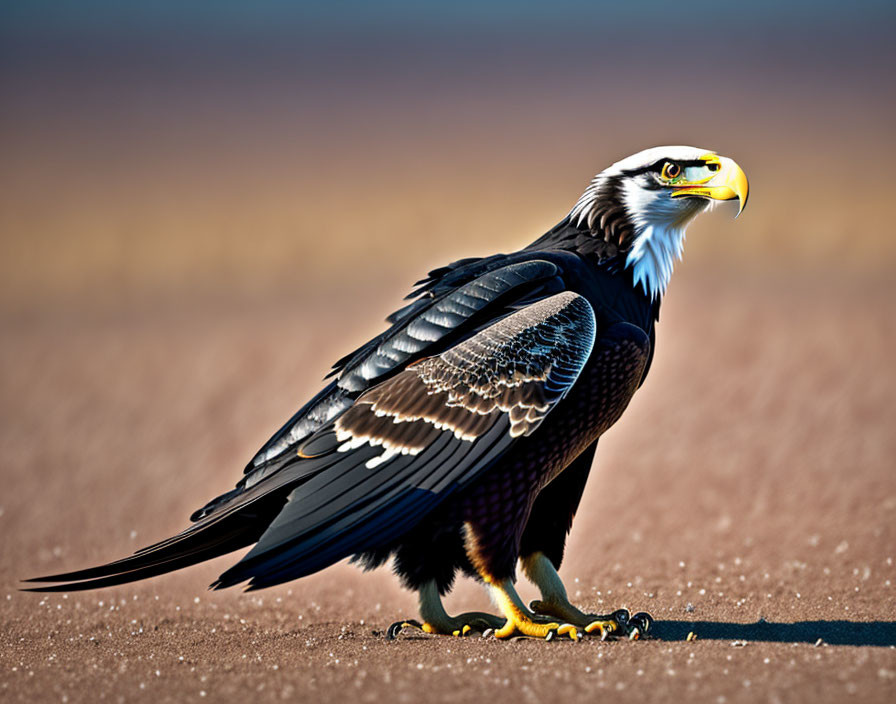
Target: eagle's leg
column 555, row 603
column 542, row 547
column 520, row 620
column 437, row 621
column 492, row 552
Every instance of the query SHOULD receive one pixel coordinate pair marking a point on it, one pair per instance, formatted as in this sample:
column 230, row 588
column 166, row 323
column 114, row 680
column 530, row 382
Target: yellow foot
column 523, row 623
column 459, row 626
column 620, row 623
column 537, row 629
column 527, row 628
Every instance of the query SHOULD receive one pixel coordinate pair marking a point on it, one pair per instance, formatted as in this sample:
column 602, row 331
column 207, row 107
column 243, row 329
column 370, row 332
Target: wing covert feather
column 416, row 329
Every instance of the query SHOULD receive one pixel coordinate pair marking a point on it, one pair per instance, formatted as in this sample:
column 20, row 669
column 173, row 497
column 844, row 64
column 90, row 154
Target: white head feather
column 659, row 221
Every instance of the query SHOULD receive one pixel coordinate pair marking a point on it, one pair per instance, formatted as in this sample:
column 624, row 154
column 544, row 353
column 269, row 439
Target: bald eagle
column 461, row 438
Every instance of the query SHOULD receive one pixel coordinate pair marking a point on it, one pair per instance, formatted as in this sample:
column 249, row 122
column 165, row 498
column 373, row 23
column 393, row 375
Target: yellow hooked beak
column 727, row 183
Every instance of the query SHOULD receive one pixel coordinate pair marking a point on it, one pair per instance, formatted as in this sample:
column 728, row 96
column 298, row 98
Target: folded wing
column 307, row 450
column 411, row 441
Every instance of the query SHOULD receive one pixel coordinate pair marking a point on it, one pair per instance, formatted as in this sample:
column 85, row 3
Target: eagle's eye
column 671, row 170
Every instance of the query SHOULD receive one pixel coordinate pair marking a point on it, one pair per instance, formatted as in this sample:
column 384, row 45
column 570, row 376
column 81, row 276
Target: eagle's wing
column 413, row 439
column 450, row 305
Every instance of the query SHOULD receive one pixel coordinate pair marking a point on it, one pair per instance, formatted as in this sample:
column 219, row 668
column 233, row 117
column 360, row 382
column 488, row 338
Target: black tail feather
column 196, row 544
column 224, row 544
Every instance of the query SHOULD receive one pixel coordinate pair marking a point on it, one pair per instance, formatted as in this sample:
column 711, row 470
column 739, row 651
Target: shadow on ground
column 882, row 633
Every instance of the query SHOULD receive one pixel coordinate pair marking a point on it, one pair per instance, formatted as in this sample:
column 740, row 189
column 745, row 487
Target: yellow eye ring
column 671, row 170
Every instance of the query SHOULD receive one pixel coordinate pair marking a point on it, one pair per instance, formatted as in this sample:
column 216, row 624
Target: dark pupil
column 672, row 170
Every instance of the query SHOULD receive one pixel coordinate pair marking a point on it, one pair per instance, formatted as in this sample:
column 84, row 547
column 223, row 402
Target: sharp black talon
column 396, row 628
column 622, row 618
column 643, row 621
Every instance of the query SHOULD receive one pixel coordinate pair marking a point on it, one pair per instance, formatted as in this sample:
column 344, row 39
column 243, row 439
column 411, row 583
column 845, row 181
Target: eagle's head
column 640, row 207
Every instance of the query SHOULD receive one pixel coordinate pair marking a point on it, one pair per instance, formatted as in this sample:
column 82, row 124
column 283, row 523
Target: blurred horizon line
column 157, row 147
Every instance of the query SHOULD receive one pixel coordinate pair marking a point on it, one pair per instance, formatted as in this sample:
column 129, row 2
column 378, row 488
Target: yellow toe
column 570, row 630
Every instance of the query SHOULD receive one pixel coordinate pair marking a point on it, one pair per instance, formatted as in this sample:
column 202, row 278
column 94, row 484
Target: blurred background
column 202, row 205
column 169, row 150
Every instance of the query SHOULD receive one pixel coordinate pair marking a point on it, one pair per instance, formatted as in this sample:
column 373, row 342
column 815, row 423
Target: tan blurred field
column 228, row 199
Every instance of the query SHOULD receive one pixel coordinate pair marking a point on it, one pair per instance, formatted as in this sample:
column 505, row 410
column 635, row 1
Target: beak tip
column 741, row 204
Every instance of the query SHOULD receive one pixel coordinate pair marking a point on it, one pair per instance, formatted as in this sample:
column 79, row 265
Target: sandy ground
column 748, row 496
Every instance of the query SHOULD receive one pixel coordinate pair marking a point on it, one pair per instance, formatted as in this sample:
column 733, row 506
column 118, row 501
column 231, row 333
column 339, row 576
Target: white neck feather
column 660, row 225
column 652, row 256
